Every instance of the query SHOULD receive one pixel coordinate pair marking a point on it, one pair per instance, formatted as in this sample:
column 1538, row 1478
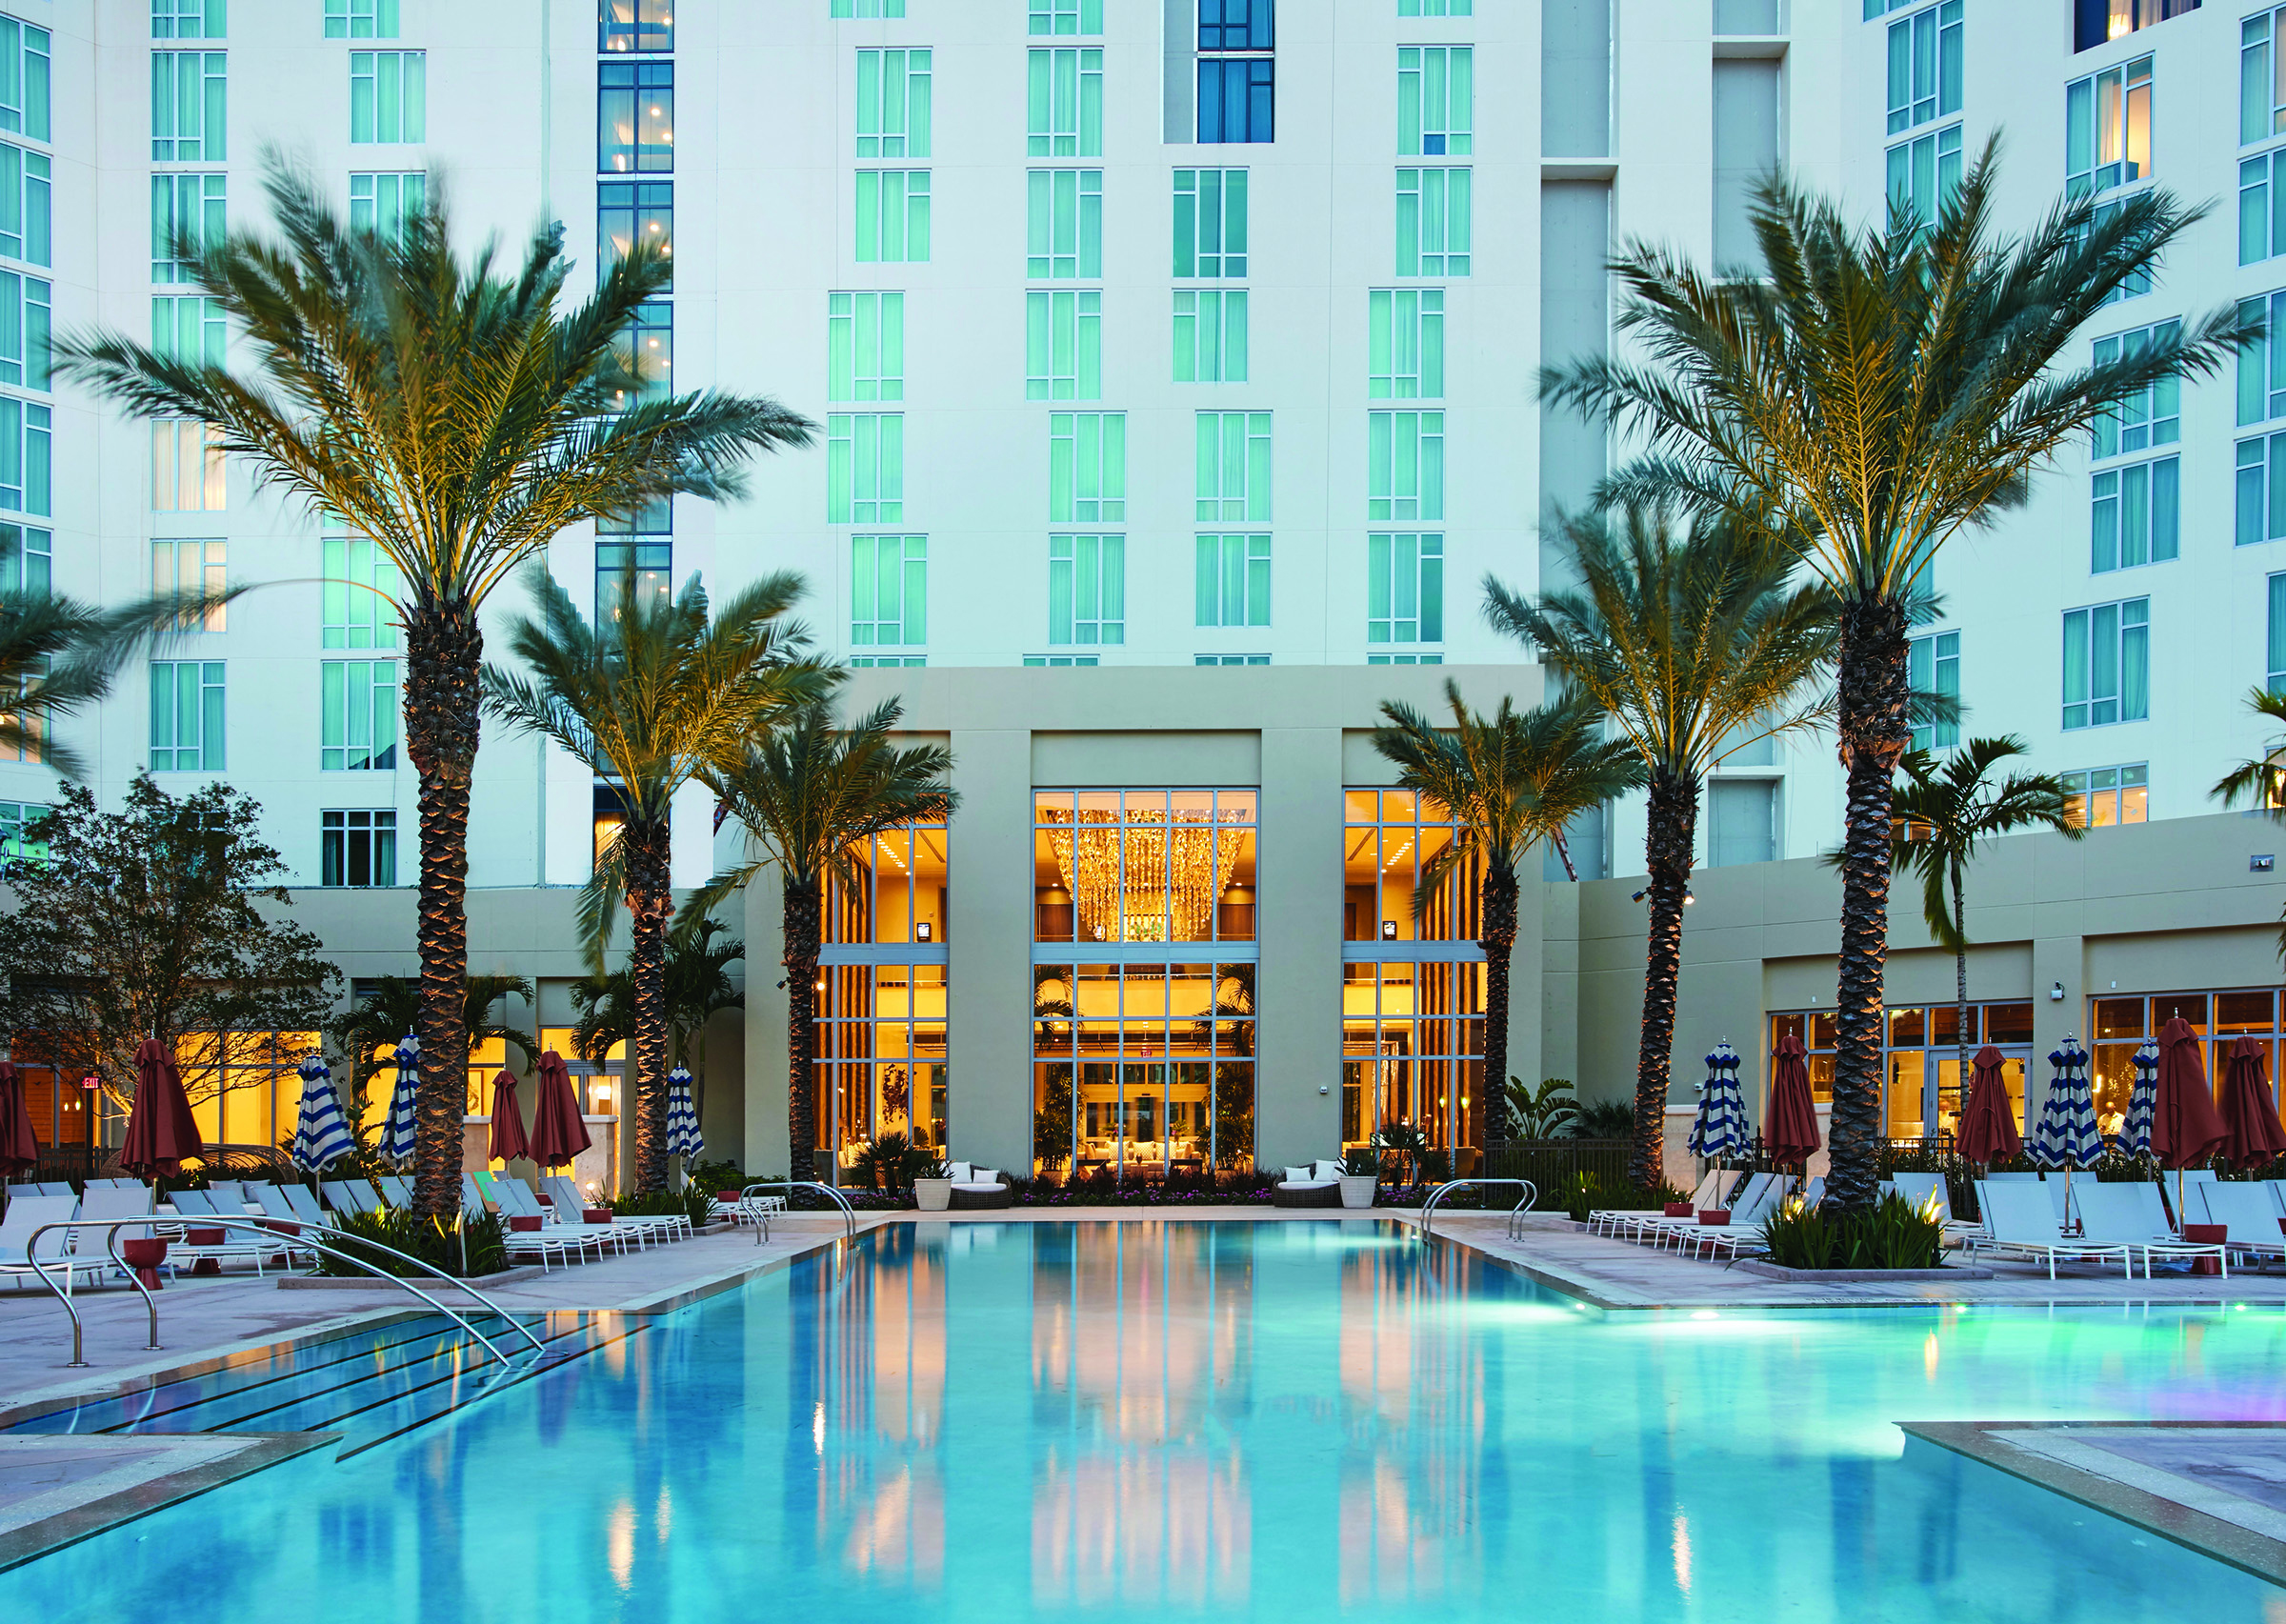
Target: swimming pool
column 1231, row 1421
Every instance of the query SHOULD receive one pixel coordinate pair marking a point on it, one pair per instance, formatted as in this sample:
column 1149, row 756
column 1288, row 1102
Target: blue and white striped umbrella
column 1719, row 1129
column 398, row 1133
column 683, row 1137
column 2067, row 1135
column 323, row 1134
column 2142, row 1105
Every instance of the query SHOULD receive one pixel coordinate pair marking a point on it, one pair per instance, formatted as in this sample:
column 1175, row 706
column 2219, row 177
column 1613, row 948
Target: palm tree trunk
column 1960, row 979
column 801, row 931
column 651, row 899
column 1873, row 729
column 443, row 650
column 1673, row 823
column 1499, row 940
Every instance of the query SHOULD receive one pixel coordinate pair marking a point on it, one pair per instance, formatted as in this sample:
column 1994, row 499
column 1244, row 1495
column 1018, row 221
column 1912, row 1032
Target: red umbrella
column 508, row 1141
column 160, row 1130
column 2185, row 1128
column 19, row 1146
column 1988, row 1128
column 1791, row 1135
column 557, row 1133
column 2249, row 1113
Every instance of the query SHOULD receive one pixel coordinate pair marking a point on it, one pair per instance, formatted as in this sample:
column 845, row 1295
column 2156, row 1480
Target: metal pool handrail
column 1532, row 1194
column 112, row 1225
column 849, row 1213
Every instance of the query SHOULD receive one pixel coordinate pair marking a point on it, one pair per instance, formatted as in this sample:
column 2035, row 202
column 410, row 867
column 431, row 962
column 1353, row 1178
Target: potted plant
column 1360, row 1177
column 931, row 1186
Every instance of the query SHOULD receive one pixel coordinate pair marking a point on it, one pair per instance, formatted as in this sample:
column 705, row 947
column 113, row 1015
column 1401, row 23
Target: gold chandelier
column 1174, row 875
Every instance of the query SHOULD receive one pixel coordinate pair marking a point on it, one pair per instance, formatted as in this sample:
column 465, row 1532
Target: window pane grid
column 186, row 468
column 1063, row 346
column 186, row 210
column 892, row 216
column 1233, row 586
column 187, row 717
column 1209, row 223
column 1405, row 590
column 1063, row 224
column 1405, row 343
column 1210, row 336
column 358, row 708
column 2107, row 664
column 1405, row 465
column 1086, row 468
column 358, row 848
column 865, row 346
column 892, row 104
column 1233, row 466
column 889, row 590
column 190, row 106
column 1432, row 222
column 634, row 118
column 865, row 469
column 1436, row 100
column 388, row 96
column 1064, row 104
column 1087, row 590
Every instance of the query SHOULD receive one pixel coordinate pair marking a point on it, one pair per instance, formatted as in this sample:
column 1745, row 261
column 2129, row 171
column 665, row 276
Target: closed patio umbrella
column 161, row 1133
column 399, row 1133
column 1791, row 1132
column 557, row 1133
column 2185, row 1128
column 322, row 1136
column 683, row 1137
column 508, row 1139
column 19, row 1146
column 2143, row 1103
column 1718, row 1131
column 1988, row 1128
column 2250, row 1111
column 2067, row 1137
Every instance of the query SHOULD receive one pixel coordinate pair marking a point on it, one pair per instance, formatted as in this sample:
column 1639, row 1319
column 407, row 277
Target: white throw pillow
column 1325, row 1170
column 957, row 1172
column 1297, row 1175
column 986, row 1175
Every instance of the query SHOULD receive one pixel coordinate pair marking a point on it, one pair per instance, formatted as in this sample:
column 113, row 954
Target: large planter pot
column 1358, row 1189
column 932, row 1194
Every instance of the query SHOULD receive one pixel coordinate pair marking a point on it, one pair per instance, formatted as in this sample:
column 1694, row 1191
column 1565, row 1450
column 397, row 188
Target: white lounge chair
column 1716, row 1184
column 1928, row 1191
column 554, row 1236
column 647, row 1226
column 2249, row 1219
column 1744, row 1232
column 2117, row 1215
column 238, row 1244
column 2023, row 1223
column 28, row 1215
column 2190, row 1181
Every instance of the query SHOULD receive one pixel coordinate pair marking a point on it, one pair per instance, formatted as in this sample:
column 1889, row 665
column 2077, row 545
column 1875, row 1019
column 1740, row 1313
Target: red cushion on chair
column 2206, row 1235
column 597, row 1215
column 1714, row 1217
column 1677, row 1210
column 202, row 1237
column 740, row 1195
column 524, row 1222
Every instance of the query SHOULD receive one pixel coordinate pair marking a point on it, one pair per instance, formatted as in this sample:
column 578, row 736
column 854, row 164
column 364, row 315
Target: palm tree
column 646, row 701
column 1693, row 645
column 1943, row 811
column 696, row 985
column 461, row 418
column 811, row 794
column 375, row 1022
column 1869, row 396
column 2260, row 782
column 1509, row 781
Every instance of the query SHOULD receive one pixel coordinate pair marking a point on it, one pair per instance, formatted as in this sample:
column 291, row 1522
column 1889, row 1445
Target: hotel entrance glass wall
column 1143, row 982
column 882, row 1062
column 1921, row 1063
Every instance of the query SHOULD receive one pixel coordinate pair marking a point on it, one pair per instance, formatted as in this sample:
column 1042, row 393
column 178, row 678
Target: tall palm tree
column 375, row 1023
column 1943, row 811
column 696, row 985
column 1870, row 397
column 2261, row 782
column 1694, row 644
column 1510, row 780
column 461, row 417
column 811, row 794
column 645, row 700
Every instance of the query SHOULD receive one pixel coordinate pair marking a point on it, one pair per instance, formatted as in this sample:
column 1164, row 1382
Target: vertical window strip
column 1432, row 222
column 892, row 104
column 865, row 346
column 1405, row 343
column 631, row 211
column 358, row 592
column 1405, row 588
column 892, row 216
column 388, row 96
column 1405, row 465
column 1063, row 224
column 2275, row 677
column 1436, row 100
column 186, row 468
column 187, row 211
column 1233, row 468
column 1063, row 346
column 190, row 106
column 889, row 590
column 2108, row 129
column 2137, row 515
column 634, row 118
column 2262, row 77
column 187, row 717
column 1087, row 590
column 1233, row 580
column 1086, row 468
column 1209, row 223
column 358, row 704
column 1210, row 336
column 25, row 78
column 1064, row 103
column 382, row 203
column 865, row 469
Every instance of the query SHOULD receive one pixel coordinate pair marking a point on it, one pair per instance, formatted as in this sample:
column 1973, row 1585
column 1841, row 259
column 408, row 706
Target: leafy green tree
column 377, row 1021
column 1943, row 811
column 1867, row 397
column 1694, row 644
column 162, row 920
column 1542, row 1113
column 811, row 794
column 645, row 700
column 461, row 418
column 1510, row 780
column 696, row 985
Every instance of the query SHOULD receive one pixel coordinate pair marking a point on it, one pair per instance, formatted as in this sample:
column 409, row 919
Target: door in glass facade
column 883, row 1066
column 1920, row 1060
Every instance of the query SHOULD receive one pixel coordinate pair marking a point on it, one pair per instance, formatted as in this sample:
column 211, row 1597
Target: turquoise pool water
column 1229, row 1421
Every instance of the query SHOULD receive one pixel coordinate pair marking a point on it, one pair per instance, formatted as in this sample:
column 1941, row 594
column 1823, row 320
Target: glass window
column 1059, row 659
column 1404, row 589
column 1064, row 104
column 865, row 346
column 1924, row 65
column 359, row 849
column 2260, row 491
column 1233, row 466
column 631, row 211
column 361, row 19
column 2153, row 415
column 1741, row 821
column 357, row 599
column 1209, row 223
column 26, row 206
column 2274, row 679
column 2262, row 363
column 1924, row 172
column 1436, row 100
column 865, row 8
column 881, row 1057
column 646, row 353
column 865, row 469
column 1405, row 331
column 2261, row 76
column 185, row 211
column 1405, row 465
column 1063, row 346
column 1066, row 16
column 1087, row 590
column 889, row 590
column 1412, row 1053
column 1238, row 100
column 1932, row 666
column 2107, row 664
column 358, row 701
column 1237, row 25
column 1210, row 336
column 1086, row 468
column 1230, row 659
column 2098, row 797
column 187, row 717
column 187, row 330
column 892, row 104
column 383, row 203
column 1436, row 8
column 388, row 96
column 627, row 568
column 1063, row 224
column 192, row 569
column 26, row 560
column 2097, row 21
column 1432, row 222
column 1233, row 580
column 643, row 25
column 2107, row 128
column 634, row 118
column 23, row 76
column 1144, row 865
column 190, row 106
column 27, row 443
column 892, row 216
column 27, row 326
column 2261, row 221
column 2137, row 515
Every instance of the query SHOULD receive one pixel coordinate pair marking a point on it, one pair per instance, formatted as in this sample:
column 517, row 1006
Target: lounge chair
column 2023, row 1222
column 277, row 1202
column 643, row 1228
column 2011, row 1178
column 1744, row 1232
column 365, row 1196
column 472, row 1199
column 1660, row 1230
column 2117, row 1214
column 2249, row 1219
column 27, row 1214
column 517, row 1201
column 1317, row 1185
column 975, row 1188
column 304, row 1204
column 1717, row 1183
column 396, row 1190
column 2191, row 1180
column 338, row 1195
column 239, row 1245
column 1928, row 1191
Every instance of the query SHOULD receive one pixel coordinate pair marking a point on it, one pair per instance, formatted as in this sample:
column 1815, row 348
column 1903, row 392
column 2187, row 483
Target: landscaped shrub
column 1181, row 1190
column 434, row 1242
column 697, row 1203
column 1588, row 1194
column 1891, row 1234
